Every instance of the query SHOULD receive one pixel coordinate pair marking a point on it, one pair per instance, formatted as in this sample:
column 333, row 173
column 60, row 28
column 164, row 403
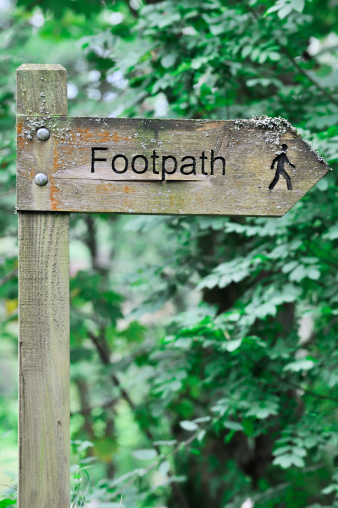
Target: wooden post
column 44, row 456
column 60, row 170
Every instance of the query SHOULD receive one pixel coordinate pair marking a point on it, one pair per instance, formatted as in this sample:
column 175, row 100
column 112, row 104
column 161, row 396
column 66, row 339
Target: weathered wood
column 148, row 167
column 44, row 361
column 41, row 89
column 247, row 146
column 44, row 455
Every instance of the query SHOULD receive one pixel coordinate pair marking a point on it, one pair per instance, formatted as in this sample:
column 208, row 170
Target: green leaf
column 109, row 505
column 332, row 233
column 217, row 29
column 299, row 273
column 165, row 443
column 202, row 419
column 313, row 274
column 201, row 435
column 6, row 502
column 232, row 345
column 297, row 461
column 274, row 56
column 126, row 476
column 289, row 460
column 195, row 451
column 248, row 427
column 330, row 489
column 233, row 425
column 263, row 409
column 301, row 452
column 164, row 468
column 169, row 60
column 285, row 461
column 183, row 343
column 288, row 267
column 282, row 450
column 299, row 365
column 274, row 8
column 246, row 51
column 298, row 5
column 84, row 445
column 322, row 185
column 284, row 11
column 144, row 454
column 188, row 425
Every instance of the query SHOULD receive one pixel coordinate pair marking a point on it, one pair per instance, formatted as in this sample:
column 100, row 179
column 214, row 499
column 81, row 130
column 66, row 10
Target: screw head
column 42, row 134
column 41, row 179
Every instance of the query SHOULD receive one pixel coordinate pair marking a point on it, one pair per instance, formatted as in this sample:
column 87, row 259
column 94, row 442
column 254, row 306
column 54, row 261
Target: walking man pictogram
column 281, row 159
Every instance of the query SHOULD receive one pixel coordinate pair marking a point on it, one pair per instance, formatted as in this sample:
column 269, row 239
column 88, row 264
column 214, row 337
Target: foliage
column 203, row 358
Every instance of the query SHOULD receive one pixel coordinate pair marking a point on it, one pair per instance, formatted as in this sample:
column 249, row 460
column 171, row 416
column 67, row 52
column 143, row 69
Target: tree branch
column 133, row 11
column 310, row 392
column 85, row 410
column 104, row 353
column 105, row 358
column 313, row 81
column 8, row 277
column 85, row 315
column 7, row 193
column 295, row 63
column 152, row 466
column 296, row 387
column 9, row 486
column 282, row 486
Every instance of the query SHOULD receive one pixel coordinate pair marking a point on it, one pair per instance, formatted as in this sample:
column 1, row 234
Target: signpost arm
column 44, row 456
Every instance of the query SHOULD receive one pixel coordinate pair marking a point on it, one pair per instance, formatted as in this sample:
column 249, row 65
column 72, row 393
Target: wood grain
column 44, row 361
column 248, row 147
column 44, row 455
column 41, row 89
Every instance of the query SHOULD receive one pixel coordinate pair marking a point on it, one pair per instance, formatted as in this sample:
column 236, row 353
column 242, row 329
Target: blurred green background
column 203, row 350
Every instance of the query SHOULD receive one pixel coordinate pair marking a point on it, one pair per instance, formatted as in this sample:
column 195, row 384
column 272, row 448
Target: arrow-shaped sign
column 242, row 167
column 257, row 167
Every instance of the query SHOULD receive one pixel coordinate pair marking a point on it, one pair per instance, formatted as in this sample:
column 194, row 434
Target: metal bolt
column 41, row 179
column 43, row 134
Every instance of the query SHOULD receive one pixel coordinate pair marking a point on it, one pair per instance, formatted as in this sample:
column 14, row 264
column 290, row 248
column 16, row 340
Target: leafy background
column 203, row 350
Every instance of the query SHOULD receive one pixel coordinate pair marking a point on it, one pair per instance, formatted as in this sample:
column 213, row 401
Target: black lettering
column 203, row 158
column 213, row 159
column 125, row 164
column 145, row 164
column 193, row 164
column 154, row 156
column 164, row 169
column 94, row 159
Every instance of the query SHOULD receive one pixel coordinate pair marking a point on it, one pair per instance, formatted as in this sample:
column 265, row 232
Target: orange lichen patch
column 56, row 162
column 85, row 135
column 103, row 188
column 68, row 150
column 21, row 149
column 118, row 137
column 54, row 203
column 19, row 127
column 208, row 126
column 20, row 138
column 128, row 189
column 89, row 135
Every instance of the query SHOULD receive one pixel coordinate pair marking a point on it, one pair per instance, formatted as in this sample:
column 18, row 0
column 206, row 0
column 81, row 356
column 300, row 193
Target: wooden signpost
column 258, row 167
